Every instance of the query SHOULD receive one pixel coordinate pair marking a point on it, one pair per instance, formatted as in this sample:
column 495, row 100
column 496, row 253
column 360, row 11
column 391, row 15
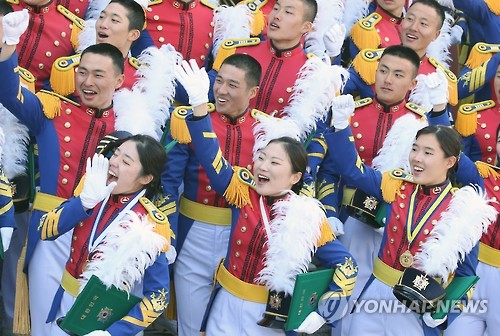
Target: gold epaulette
column 494, row 6
column 208, row 4
column 486, row 170
column 480, row 53
column 237, row 192
column 134, row 62
column 71, row 16
column 178, row 127
column 366, row 62
column 417, row 109
column 362, row 102
column 51, row 103
column 62, row 74
column 466, row 122
column 452, row 81
column 27, row 78
column 258, row 19
column 154, row 214
column 154, row 2
column 392, row 182
column 228, row 48
column 363, row 33
column 257, row 114
column 14, row 2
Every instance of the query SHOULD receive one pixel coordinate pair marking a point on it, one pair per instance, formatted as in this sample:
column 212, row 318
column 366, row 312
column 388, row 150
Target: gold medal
column 406, row 259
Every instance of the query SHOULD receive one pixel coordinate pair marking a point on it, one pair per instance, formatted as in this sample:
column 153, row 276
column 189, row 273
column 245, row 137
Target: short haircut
column 297, row 156
column 437, row 7
column 310, row 10
column 135, row 14
column 252, row 68
column 108, row 50
column 405, row 53
column 5, row 8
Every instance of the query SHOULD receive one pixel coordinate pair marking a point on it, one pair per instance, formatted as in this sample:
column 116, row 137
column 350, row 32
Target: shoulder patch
column 363, row 102
column 208, row 4
column 372, row 55
column 415, row 108
column 255, row 5
column 66, row 63
column 27, row 78
column 243, row 42
column 400, row 174
column 246, row 177
column 257, row 114
column 369, row 22
column 476, row 107
column 449, row 74
column 134, row 62
column 72, row 17
column 154, row 214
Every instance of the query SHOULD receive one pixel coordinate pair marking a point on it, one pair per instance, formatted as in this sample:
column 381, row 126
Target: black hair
column 298, row 158
column 247, row 63
column 405, row 53
column 437, row 7
column 310, row 10
column 135, row 14
column 5, row 7
column 109, row 50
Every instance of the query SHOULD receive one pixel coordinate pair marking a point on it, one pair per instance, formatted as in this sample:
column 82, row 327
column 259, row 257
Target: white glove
column 456, row 33
column 430, row 322
column 342, row 109
column 437, row 87
column 95, row 189
column 194, row 80
column 171, row 255
column 98, row 333
column 336, row 225
column 334, row 39
column 311, row 324
column 6, row 233
column 14, row 25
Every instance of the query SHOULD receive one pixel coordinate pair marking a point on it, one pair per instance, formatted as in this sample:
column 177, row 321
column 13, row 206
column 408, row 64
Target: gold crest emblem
column 275, row 301
column 104, row 314
column 420, row 282
column 370, row 203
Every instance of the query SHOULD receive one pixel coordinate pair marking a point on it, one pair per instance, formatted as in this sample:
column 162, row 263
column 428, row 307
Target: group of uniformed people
column 200, row 154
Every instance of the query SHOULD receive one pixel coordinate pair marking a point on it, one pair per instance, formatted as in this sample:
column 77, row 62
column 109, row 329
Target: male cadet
column 204, row 219
column 380, row 29
column 421, row 25
column 67, row 132
column 51, row 33
column 185, row 24
column 120, row 24
column 372, row 120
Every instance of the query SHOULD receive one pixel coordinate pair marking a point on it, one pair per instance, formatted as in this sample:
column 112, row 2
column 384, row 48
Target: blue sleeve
column 471, row 81
column 62, row 219
column 471, row 147
column 144, row 41
column 327, row 186
column 353, row 49
column 355, row 85
column 156, row 286
column 477, row 9
column 467, row 172
column 6, row 203
column 18, row 100
column 439, row 119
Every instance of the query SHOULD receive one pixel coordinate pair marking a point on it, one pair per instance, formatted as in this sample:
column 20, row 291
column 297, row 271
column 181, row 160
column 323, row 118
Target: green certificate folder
column 309, row 287
column 454, row 292
column 96, row 308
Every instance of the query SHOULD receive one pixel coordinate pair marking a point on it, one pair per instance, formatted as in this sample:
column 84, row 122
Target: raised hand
column 194, row 80
column 14, row 25
column 95, row 189
column 342, row 109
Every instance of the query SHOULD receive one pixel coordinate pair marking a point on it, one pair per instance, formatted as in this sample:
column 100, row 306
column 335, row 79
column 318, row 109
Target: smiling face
column 96, row 80
column 231, row 91
column 273, row 171
column 113, row 27
column 421, row 25
column 125, row 169
column 287, row 23
column 428, row 162
column 395, row 76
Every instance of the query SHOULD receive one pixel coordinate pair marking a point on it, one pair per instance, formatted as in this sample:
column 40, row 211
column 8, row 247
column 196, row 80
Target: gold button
column 489, row 148
column 74, row 237
column 420, row 243
column 280, row 100
column 70, row 26
column 479, row 116
column 67, row 154
column 388, row 252
column 496, row 188
column 483, row 125
column 208, row 188
column 210, row 35
column 238, row 242
column 361, row 148
column 67, row 139
column 434, row 222
column 392, row 240
column 202, row 57
column 212, row 24
column 207, row 45
column 234, row 267
column 80, row 224
column 56, row 43
column 48, row 54
column 161, row 39
column 358, row 136
column 64, row 181
column 403, row 187
column 386, row 39
column 397, row 216
column 245, row 215
column 160, row 28
column 401, row 205
column 487, row 136
column 403, row 196
column 67, row 124
column 68, row 111
column 71, row 260
column 355, row 124
column 40, row 66
column 65, row 167
column 289, row 89
column 72, row 249
column 489, row 160
column 77, row 11
column 156, row 17
column 63, row 34
column 237, row 254
column 363, row 160
column 426, row 231
column 205, row 201
column 394, row 228
column 249, row 167
column 243, row 229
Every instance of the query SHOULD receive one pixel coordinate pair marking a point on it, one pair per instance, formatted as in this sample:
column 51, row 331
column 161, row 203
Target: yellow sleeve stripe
column 218, row 162
column 329, row 207
column 49, row 223
column 6, row 207
column 168, row 208
column 316, row 155
column 325, row 191
column 209, row 135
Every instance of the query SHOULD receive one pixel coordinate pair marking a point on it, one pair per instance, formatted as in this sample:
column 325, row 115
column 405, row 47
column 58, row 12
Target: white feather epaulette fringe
column 87, row 36
column 231, row 22
column 14, row 150
column 354, row 10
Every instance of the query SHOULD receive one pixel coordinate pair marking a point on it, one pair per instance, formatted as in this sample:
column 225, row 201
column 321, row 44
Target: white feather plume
column 398, row 143
column 329, row 13
column 458, row 230
column 315, row 88
column 354, row 11
column 268, row 128
column 145, row 108
column 87, row 36
column 2, row 141
column 125, row 253
column 15, row 153
column 440, row 47
column 294, row 234
column 420, row 94
column 447, row 3
column 231, row 22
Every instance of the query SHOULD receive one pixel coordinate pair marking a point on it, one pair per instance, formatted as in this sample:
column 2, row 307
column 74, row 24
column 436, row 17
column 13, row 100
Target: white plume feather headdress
column 87, row 36
column 268, row 128
column 126, row 252
column 145, row 108
column 231, row 22
column 440, row 47
column 398, row 143
column 15, row 152
column 295, row 232
column 354, row 11
column 456, row 233
column 329, row 13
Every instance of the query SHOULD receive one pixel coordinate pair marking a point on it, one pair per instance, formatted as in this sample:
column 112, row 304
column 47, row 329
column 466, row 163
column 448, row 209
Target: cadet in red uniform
column 204, row 218
column 66, row 132
column 51, row 33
